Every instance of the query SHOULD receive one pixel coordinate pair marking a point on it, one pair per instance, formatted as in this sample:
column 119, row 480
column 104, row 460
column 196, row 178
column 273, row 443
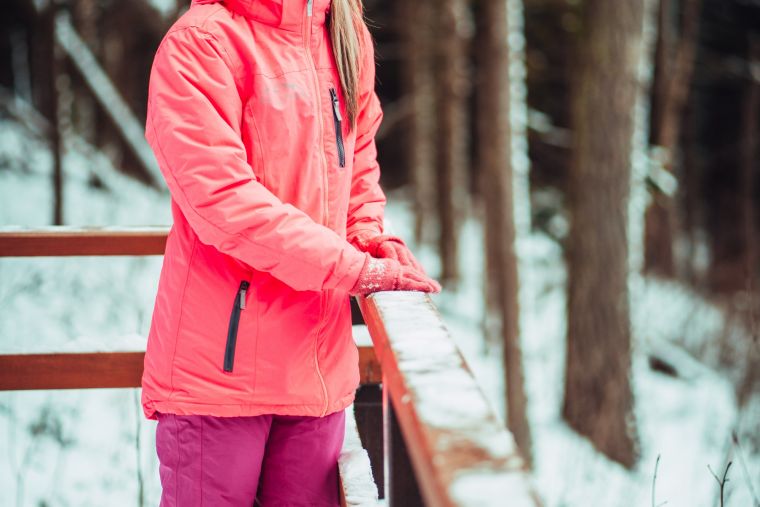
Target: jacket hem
column 178, row 407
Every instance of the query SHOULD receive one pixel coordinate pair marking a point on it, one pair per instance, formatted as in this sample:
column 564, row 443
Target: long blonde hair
column 346, row 24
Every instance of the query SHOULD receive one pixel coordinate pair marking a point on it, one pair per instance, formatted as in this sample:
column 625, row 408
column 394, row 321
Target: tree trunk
column 417, row 84
column 49, row 105
column 598, row 400
column 451, row 139
column 749, row 209
column 691, row 205
column 675, row 66
column 494, row 155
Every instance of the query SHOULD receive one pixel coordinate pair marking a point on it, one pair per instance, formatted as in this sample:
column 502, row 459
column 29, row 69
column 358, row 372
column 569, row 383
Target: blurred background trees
column 447, row 78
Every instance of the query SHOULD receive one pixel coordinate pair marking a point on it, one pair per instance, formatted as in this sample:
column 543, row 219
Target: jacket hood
column 287, row 14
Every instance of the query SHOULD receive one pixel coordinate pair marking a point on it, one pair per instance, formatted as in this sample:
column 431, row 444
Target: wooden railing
column 431, row 435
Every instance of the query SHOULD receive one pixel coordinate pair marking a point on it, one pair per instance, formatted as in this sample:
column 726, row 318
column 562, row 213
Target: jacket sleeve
column 194, row 128
column 367, row 202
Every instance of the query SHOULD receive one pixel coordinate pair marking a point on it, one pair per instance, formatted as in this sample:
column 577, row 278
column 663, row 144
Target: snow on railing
column 460, row 452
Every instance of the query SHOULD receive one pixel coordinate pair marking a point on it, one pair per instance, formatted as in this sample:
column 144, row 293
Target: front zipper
column 317, row 95
column 232, row 330
column 338, row 130
column 315, row 82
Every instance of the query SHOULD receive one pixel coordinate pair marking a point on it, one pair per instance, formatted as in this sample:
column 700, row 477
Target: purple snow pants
column 274, row 460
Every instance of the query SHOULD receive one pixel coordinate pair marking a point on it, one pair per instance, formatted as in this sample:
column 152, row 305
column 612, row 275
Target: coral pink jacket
column 269, row 187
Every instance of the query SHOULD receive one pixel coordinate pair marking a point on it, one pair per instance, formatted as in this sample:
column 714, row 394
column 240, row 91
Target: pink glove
column 387, row 274
column 385, row 246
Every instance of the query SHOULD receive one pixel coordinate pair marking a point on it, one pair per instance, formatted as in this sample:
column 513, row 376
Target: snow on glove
column 385, row 246
column 388, row 274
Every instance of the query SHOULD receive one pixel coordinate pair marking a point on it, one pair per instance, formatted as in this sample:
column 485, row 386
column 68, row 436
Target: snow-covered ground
column 84, row 448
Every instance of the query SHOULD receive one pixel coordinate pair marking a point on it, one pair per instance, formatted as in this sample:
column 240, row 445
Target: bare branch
column 654, row 482
column 721, row 481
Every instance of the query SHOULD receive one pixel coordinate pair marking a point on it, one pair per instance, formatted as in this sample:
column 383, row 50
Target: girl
column 262, row 115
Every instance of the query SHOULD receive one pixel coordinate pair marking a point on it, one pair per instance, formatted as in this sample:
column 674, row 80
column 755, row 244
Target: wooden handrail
column 91, row 370
column 59, row 241
column 86, row 370
column 461, row 453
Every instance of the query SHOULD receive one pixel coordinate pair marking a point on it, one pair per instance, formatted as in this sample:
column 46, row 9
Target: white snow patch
column 485, row 488
column 355, row 469
column 164, row 7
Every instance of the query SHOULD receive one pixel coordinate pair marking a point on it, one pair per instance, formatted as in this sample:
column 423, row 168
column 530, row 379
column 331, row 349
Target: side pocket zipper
column 237, row 306
column 338, row 130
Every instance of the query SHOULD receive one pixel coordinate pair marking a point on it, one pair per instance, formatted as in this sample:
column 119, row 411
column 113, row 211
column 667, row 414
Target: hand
column 385, row 246
column 388, row 274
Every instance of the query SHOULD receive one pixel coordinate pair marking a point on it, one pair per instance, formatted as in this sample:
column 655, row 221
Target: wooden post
column 401, row 487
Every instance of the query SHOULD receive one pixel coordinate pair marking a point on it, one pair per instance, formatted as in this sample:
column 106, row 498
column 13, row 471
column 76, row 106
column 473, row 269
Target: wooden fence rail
column 93, row 370
column 442, row 445
column 62, row 241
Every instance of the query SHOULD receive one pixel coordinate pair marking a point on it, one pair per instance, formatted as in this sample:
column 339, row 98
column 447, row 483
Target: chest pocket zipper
column 338, row 130
column 232, row 331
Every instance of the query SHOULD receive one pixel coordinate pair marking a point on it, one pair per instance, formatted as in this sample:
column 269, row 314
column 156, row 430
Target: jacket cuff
column 350, row 279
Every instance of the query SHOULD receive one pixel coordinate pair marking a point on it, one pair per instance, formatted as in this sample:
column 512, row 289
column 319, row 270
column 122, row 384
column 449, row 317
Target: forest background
column 582, row 175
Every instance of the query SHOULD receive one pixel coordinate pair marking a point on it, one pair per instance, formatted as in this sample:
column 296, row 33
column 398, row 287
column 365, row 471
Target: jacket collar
column 287, row 14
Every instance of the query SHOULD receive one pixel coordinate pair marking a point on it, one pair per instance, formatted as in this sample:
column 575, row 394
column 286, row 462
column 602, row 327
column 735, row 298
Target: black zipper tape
column 338, row 130
column 232, row 331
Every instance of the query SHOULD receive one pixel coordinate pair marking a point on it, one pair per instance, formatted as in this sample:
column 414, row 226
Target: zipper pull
column 241, row 297
column 338, row 130
column 309, row 7
column 336, row 104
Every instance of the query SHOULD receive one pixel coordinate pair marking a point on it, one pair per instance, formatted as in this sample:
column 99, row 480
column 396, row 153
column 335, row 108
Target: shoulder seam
column 205, row 35
column 218, row 8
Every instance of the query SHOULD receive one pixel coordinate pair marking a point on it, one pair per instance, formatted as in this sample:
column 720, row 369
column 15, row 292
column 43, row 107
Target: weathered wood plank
column 67, row 241
column 462, row 454
column 70, row 370
column 371, row 372
column 90, row 370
